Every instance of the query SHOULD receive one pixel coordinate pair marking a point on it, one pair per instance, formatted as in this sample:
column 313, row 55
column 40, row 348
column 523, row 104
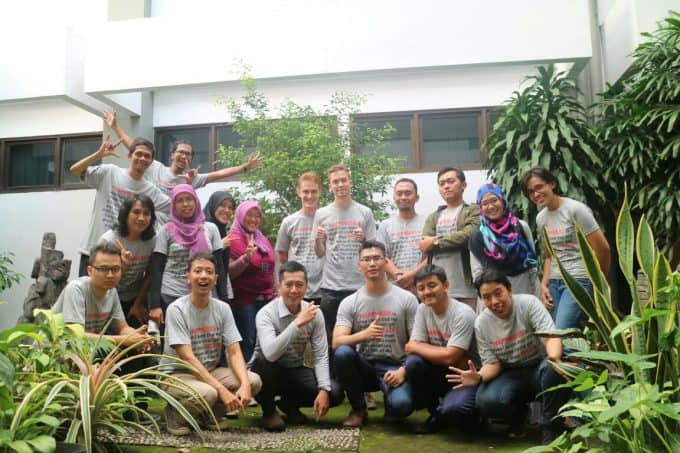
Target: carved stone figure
column 50, row 272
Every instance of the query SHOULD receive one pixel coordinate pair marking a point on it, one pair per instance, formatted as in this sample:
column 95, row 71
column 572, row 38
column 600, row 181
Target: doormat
column 293, row 439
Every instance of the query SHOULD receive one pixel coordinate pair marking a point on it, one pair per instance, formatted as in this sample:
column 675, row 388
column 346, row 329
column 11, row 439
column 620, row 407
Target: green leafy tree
column 545, row 124
column 294, row 139
column 639, row 131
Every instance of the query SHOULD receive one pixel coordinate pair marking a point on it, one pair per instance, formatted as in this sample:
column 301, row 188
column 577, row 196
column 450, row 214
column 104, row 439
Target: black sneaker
column 518, row 424
column 293, row 416
column 433, row 425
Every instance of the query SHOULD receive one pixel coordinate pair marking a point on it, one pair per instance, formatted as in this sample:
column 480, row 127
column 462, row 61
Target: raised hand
column 306, row 315
column 254, row 160
column 251, row 248
column 190, row 175
column 110, row 118
column 226, row 241
column 374, row 331
column 464, row 378
column 320, row 234
column 358, row 234
column 107, row 148
column 125, row 255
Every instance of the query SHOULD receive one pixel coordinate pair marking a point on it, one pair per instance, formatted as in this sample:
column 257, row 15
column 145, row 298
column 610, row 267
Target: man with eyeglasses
column 180, row 171
column 447, row 232
column 372, row 328
column 92, row 301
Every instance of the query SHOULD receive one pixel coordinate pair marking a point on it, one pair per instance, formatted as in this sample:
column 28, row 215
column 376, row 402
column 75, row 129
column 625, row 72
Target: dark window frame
column 417, row 143
column 58, row 159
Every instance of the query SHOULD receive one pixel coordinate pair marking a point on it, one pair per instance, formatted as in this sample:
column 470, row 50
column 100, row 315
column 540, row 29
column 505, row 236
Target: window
column 43, row 163
column 428, row 140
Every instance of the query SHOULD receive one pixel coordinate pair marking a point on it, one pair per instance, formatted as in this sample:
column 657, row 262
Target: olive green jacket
column 468, row 222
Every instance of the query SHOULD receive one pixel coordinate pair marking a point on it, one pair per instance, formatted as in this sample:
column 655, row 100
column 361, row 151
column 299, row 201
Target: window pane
column 77, row 148
column 493, row 117
column 399, row 145
column 450, row 139
column 31, row 164
column 227, row 137
column 198, row 137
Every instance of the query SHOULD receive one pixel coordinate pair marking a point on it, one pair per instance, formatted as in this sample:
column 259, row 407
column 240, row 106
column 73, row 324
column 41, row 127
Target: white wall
column 45, row 117
column 621, row 23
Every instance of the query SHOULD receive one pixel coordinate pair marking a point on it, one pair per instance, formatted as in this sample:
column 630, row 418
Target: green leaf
column 20, row 446
column 645, row 248
column 552, row 137
column 43, row 444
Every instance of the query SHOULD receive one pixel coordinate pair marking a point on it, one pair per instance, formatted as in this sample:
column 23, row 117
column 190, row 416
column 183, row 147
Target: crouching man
column 372, row 327
column 514, row 366
column 198, row 328
column 443, row 335
column 285, row 327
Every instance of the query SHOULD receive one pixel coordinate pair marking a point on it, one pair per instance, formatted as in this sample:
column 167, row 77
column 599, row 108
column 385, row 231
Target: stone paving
column 293, row 439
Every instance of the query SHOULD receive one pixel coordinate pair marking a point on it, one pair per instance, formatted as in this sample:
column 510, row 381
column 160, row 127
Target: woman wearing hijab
column 252, row 271
column 185, row 234
column 220, row 211
column 503, row 242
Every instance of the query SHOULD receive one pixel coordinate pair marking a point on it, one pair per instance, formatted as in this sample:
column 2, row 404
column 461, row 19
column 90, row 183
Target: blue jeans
column 358, row 375
column 429, row 384
column 506, row 395
column 245, row 322
column 566, row 312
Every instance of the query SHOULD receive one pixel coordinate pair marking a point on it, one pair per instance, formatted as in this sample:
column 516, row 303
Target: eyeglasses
column 537, row 188
column 105, row 270
column 185, row 153
column 370, row 259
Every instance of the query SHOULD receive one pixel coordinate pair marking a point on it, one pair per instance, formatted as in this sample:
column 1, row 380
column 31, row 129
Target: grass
column 379, row 436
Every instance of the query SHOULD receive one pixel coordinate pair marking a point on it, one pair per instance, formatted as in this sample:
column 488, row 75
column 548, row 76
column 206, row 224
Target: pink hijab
column 187, row 232
column 261, row 241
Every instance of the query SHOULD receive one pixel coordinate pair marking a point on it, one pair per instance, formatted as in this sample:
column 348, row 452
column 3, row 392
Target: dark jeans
column 506, row 395
column 429, row 384
column 297, row 386
column 358, row 375
column 245, row 322
column 566, row 312
column 330, row 301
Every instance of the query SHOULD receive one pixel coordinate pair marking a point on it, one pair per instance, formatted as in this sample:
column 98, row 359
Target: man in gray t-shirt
column 198, row 328
column 338, row 231
column 443, row 336
column 372, row 327
column 294, row 241
column 514, row 366
column 285, row 327
column 401, row 235
column 93, row 302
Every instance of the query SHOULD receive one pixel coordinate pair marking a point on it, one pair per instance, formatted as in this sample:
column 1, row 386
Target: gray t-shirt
column 280, row 340
column 163, row 178
column 175, row 272
column 341, row 270
column 402, row 240
column 295, row 238
column 451, row 261
column 560, row 227
column 396, row 309
column 137, row 265
column 208, row 330
column 524, row 283
column 113, row 186
column 455, row 328
column 80, row 306
column 512, row 341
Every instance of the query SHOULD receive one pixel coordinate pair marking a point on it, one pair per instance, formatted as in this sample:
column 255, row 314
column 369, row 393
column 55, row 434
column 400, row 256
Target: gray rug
column 293, row 439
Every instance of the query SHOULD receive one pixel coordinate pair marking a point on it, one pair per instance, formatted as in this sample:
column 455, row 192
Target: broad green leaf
column 646, row 250
column 609, row 356
column 6, row 371
column 552, row 137
column 625, row 241
column 20, row 446
column 43, row 444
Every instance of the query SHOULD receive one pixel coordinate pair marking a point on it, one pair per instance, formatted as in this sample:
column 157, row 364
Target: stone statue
column 50, row 272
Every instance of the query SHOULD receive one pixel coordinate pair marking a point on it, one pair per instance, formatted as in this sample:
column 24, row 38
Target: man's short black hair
column 408, row 180
column 106, row 248
column 141, row 141
column 372, row 243
column 291, row 266
column 201, row 256
column 459, row 173
column 431, row 269
column 492, row 276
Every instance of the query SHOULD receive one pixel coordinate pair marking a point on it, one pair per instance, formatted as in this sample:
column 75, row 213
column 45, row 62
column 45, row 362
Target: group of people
column 438, row 312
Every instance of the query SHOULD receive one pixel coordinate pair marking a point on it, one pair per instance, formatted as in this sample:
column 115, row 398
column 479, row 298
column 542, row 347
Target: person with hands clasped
column 285, row 327
column 372, row 327
column 199, row 327
column 515, row 366
column 180, row 171
column 251, row 269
